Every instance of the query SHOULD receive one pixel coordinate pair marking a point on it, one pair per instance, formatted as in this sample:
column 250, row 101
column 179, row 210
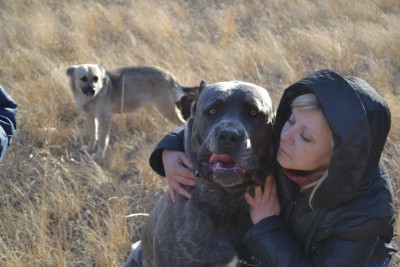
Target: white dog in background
column 100, row 93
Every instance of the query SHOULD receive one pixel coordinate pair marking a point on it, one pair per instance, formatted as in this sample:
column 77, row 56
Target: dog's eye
column 212, row 111
column 253, row 112
column 95, row 79
column 84, row 79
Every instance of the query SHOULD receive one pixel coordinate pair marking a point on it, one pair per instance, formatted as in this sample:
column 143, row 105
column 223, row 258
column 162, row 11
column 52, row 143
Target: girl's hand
column 178, row 171
column 265, row 203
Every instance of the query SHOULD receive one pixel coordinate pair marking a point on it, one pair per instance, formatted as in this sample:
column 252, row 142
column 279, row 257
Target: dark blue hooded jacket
column 352, row 220
column 8, row 113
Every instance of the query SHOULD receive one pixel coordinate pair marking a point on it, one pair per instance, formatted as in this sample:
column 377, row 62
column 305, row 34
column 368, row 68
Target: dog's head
column 86, row 78
column 229, row 133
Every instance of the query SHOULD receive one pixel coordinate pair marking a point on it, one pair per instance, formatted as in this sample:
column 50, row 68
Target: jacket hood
column 359, row 120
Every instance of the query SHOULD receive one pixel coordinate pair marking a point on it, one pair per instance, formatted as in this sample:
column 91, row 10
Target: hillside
column 58, row 207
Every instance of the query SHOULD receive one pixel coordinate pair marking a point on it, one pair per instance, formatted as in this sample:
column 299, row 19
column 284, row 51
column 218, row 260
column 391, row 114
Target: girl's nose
column 287, row 136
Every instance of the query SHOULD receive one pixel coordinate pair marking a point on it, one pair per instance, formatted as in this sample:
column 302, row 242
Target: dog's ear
column 202, row 85
column 70, row 71
column 191, row 145
column 193, row 108
column 102, row 70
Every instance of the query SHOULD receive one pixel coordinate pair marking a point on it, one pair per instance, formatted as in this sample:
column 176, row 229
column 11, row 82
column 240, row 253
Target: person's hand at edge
column 179, row 171
column 265, row 202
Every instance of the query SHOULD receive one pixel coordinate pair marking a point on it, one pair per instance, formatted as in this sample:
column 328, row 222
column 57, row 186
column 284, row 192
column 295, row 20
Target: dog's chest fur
column 202, row 231
column 226, row 210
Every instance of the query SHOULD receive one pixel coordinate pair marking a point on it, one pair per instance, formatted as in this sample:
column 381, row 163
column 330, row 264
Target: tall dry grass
column 59, row 208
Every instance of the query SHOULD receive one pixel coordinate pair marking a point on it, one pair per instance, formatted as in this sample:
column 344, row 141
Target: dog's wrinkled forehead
column 244, row 93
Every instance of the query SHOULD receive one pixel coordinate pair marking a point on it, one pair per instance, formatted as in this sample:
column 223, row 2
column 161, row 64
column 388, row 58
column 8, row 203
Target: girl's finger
column 186, row 162
column 185, row 172
column 274, row 191
column 267, row 185
column 249, row 199
column 185, row 180
column 269, row 188
column 258, row 192
column 172, row 193
column 182, row 191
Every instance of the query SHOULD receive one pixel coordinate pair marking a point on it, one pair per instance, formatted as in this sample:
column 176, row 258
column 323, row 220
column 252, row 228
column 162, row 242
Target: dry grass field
column 57, row 206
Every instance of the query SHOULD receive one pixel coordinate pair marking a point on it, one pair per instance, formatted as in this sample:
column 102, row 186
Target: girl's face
column 306, row 141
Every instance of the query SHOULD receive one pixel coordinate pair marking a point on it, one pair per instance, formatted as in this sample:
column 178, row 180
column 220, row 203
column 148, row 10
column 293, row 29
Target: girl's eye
column 305, row 138
column 253, row 112
column 212, row 111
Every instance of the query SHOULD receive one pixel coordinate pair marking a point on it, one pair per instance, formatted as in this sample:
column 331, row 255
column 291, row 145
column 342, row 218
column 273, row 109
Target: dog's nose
column 89, row 90
column 229, row 137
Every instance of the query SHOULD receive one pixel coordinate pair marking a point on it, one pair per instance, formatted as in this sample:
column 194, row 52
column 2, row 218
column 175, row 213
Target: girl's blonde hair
column 306, row 101
column 309, row 101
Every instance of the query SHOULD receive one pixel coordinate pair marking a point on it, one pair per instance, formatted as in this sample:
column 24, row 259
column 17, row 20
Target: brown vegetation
column 59, row 208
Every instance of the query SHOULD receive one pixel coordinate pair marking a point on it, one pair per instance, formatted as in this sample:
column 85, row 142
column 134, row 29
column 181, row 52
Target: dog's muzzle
column 227, row 156
column 225, row 171
column 88, row 90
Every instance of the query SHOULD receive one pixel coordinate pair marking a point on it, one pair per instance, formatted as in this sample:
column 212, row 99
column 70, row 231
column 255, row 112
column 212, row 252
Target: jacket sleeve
column 8, row 113
column 271, row 243
column 173, row 141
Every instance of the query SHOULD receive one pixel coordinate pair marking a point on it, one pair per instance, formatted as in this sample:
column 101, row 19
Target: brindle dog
column 227, row 138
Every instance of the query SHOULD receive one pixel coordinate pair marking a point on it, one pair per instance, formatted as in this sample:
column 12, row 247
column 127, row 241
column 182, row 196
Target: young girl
column 336, row 198
column 331, row 202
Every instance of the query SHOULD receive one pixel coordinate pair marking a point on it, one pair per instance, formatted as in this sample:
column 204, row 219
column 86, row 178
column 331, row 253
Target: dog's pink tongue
column 221, row 161
column 220, row 157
